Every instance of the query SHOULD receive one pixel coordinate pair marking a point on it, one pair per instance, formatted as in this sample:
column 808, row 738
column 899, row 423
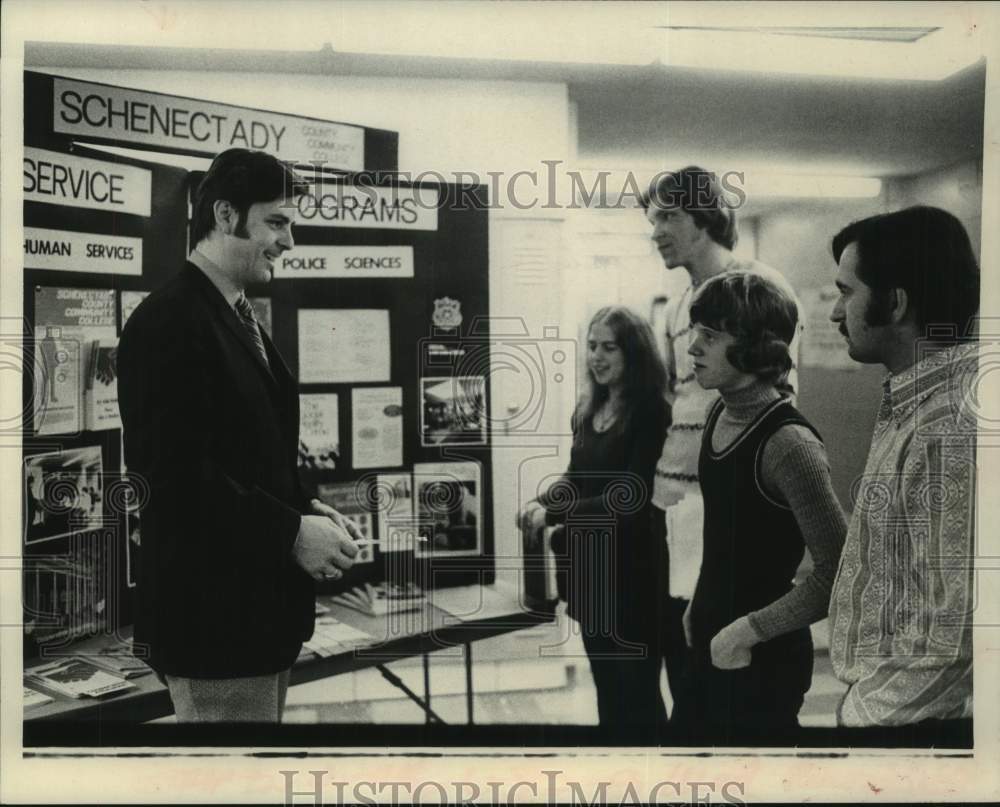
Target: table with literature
column 350, row 636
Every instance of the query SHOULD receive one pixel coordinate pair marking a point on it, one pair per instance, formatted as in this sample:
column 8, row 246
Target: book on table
column 331, row 636
column 383, row 598
column 34, row 698
column 77, row 678
column 118, row 658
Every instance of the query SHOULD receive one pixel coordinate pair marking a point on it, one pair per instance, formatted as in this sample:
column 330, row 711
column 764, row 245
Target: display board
column 99, row 232
column 382, row 308
column 382, row 312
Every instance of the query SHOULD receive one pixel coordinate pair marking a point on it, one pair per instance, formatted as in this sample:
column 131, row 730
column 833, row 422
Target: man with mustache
column 231, row 543
column 694, row 228
column 901, row 607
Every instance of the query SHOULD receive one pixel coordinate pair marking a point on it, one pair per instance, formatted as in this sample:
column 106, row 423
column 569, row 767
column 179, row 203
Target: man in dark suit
column 231, row 544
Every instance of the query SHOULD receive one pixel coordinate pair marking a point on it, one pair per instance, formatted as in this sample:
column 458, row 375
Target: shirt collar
column 212, row 271
column 906, row 390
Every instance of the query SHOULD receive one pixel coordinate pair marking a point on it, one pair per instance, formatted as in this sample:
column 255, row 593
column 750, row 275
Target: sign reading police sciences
column 306, row 262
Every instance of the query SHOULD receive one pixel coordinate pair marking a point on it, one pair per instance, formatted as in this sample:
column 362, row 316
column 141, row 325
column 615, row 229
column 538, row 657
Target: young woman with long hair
column 613, row 571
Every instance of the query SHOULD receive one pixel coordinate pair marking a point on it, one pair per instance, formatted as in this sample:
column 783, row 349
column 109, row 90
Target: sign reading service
column 154, row 119
column 305, row 262
column 65, row 179
column 64, row 251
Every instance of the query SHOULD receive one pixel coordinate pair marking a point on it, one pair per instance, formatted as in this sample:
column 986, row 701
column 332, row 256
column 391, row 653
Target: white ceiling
column 851, row 88
column 849, row 126
column 654, row 115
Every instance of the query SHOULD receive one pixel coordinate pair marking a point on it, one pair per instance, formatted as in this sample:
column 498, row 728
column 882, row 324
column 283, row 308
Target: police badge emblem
column 447, row 313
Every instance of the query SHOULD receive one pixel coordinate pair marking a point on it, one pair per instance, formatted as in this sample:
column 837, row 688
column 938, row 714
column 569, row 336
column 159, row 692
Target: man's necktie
column 245, row 312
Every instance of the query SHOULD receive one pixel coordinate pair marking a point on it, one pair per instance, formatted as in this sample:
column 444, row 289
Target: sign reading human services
column 65, row 179
column 361, row 262
column 116, row 113
column 64, row 251
column 369, row 207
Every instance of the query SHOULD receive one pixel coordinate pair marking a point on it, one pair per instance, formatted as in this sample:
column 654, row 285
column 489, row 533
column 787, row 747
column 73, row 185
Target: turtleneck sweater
column 794, row 470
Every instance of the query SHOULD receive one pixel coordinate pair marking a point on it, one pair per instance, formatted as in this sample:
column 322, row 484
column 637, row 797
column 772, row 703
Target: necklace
column 604, row 417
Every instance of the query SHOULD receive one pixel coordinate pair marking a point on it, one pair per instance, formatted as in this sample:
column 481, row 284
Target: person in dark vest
column 767, row 491
column 695, row 230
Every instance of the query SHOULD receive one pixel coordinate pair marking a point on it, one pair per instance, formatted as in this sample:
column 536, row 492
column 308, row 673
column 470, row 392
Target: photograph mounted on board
column 453, row 411
column 449, row 510
column 63, row 493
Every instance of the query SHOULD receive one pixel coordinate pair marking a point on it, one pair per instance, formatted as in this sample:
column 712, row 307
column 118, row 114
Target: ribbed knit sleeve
column 795, row 471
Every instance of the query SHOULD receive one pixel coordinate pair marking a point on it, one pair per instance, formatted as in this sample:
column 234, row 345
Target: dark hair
column 923, row 250
column 697, row 192
column 645, row 378
column 759, row 313
column 242, row 178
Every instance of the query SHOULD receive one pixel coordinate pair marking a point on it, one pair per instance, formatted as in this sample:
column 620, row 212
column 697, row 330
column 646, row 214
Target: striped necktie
column 246, row 315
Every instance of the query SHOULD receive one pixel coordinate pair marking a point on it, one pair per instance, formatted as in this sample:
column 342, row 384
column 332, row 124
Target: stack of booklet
column 76, row 678
column 118, row 659
column 32, row 698
column 383, row 598
column 332, row 637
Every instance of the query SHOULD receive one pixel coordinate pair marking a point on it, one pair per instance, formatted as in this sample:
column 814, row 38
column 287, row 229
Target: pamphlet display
column 319, row 432
column 101, row 390
column 71, row 321
column 377, row 426
column 346, row 345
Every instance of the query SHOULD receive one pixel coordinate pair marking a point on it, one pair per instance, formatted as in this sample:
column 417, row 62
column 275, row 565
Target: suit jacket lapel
column 228, row 315
column 232, row 320
column 279, row 370
column 284, row 385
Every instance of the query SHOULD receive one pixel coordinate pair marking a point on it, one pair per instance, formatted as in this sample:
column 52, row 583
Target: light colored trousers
column 255, row 699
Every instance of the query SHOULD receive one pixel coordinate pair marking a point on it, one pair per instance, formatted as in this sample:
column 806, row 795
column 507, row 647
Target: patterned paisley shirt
column 901, row 608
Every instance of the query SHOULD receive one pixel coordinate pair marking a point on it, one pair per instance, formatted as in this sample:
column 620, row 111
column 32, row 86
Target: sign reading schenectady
column 116, row 113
